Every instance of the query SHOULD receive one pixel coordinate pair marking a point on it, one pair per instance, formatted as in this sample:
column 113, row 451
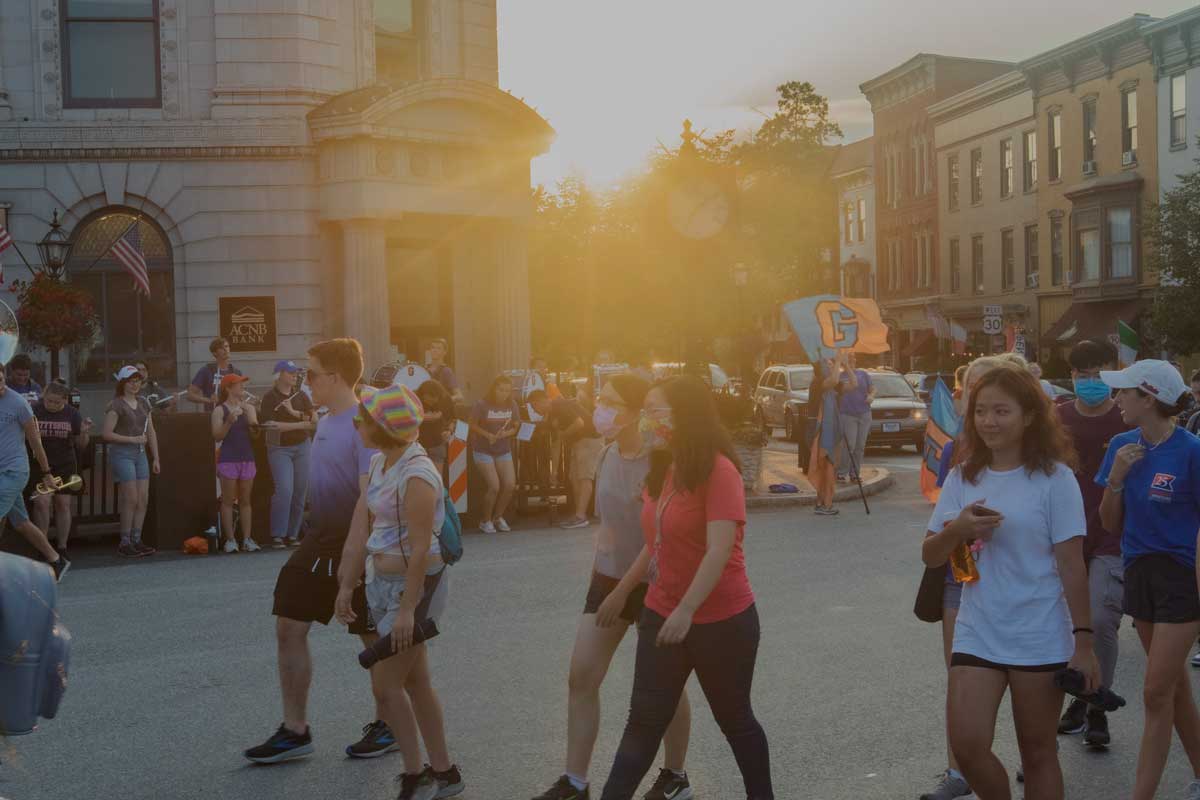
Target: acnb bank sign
column 249, row 323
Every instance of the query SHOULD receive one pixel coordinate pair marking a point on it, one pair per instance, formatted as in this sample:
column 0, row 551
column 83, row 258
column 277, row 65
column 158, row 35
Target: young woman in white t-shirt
column 1028, row 615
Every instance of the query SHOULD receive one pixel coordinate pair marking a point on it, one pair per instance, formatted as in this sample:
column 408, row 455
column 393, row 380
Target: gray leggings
column 1106, row 587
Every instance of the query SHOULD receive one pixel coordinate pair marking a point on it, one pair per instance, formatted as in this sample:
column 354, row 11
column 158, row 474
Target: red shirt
column 1091, row 436
column 684, row 540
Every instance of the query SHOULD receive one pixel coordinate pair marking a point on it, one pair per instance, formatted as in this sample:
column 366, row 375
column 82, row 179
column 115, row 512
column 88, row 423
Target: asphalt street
column 173, row 674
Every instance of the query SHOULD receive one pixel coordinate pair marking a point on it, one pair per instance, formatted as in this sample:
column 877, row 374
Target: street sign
column 993, row 320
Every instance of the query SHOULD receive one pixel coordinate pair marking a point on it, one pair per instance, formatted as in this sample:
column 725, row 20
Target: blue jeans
column 289, row 469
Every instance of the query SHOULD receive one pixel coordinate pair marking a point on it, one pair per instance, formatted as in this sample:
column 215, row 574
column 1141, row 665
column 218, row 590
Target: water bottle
column 962, row 564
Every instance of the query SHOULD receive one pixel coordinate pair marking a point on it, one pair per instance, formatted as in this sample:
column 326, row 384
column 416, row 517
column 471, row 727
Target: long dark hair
column 491, row 392
column 698, row 437
column 1044, row 442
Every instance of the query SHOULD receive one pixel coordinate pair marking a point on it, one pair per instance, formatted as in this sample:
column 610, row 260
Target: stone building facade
column 853, row 174
column 354, row 162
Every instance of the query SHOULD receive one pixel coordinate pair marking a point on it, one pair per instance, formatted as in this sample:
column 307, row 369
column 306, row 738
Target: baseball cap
column 231, row 379
column 285, row 366
column 127, row 371
column 395, row 408
column 1158, row 379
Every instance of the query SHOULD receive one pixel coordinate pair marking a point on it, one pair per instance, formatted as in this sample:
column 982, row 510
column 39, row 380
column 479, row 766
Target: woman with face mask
column 699, row 613
column 616, row 596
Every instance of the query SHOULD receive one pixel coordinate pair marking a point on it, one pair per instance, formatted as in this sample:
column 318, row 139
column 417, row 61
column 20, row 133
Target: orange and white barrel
column 457, row 470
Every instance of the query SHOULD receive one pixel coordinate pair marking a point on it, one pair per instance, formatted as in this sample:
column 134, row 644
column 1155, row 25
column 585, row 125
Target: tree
column 54, row 315
column 1173, row 233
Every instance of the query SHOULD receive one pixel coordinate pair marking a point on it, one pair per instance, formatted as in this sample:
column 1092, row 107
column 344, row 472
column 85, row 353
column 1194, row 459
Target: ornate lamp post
column 55, row 249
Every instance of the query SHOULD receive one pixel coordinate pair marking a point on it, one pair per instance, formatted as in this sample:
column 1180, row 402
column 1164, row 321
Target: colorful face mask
column 1092, row 391
column 656, row 431
column 605, row 420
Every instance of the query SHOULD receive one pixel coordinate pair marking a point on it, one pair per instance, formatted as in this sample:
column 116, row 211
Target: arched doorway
column 132, row 326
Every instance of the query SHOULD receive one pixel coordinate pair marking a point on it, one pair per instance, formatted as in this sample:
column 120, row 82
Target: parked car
column 716, row 377
column 923, row 382
column 898, row 414
column 781, row 396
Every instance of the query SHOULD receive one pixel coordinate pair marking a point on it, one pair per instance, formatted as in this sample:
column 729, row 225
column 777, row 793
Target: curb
column 871, row 488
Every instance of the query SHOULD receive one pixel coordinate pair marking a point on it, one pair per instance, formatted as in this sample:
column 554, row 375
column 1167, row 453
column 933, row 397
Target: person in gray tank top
column 614, row 602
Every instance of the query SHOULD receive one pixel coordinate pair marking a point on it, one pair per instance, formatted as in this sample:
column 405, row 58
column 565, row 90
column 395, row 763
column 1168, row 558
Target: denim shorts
column 127, row 462
column 12, row 500
column 488, row 458
column 953, row 596
column 385, row 592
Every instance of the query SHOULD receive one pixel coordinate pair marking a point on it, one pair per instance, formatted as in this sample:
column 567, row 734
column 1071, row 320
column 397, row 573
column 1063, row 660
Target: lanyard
column 659, row 509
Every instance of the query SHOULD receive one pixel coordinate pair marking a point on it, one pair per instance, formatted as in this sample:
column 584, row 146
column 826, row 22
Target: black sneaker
column 282, row 746
column 670, row 786
column 421, row 786
column 127, row 550
column 1074, row 719
column 144, row 549
column 563, row 790
column 1096, row 734
column 450, row 782
column 60, row 567
column 377, row 741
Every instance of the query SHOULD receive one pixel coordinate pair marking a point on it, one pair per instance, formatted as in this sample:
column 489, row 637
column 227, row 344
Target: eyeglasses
column 358, row 420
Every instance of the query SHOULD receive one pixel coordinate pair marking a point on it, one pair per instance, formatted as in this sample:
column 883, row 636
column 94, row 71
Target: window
column 952, row 169
column 1056, row 252
column 1129, row 123
column 976, row 177
column 848, row 224
column 1029, row 146
column 1007, row 259
column 1089, row 135
column 394, row 16
column 862, row 219
column 1031, row 256
column 955, row 265
column 131, row 326
column 1054, row 125
column 1179, row 110
column 110, row 54
column 1087, row 247
column 918, row 167
column 1120, row 242
column 976, row 263
column 1006, row 168
column 922, row 253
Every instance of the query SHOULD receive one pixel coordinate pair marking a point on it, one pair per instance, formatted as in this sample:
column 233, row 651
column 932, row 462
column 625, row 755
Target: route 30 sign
column 993, row 320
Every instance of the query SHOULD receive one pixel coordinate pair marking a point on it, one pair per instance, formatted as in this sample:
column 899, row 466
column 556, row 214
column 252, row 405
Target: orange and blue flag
column 944, row 424
column 827, row 323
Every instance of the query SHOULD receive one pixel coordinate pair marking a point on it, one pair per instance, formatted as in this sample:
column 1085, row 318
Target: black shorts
column 307, row 587
column 1160, row 589
column 602, row 586
column 968, row 660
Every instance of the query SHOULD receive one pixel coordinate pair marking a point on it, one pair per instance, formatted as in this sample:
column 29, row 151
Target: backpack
column 450, row 536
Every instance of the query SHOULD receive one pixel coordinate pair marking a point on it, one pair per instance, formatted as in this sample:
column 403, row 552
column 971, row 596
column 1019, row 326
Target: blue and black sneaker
column 377, row 741
column 282, row 745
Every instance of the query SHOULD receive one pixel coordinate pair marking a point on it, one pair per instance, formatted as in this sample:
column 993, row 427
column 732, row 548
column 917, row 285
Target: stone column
column 366, row 308
column 512, row 345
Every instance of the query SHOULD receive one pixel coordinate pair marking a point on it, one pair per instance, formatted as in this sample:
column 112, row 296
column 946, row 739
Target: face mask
column 1092, row 391
column 656, row 433
column 605, row 420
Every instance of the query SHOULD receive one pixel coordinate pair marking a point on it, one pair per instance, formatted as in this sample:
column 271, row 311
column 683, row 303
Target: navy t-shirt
column 1162, row 497
column 208, row 378
column 59, row 430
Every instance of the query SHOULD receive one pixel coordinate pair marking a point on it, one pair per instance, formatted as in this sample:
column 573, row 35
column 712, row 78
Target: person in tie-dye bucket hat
column 406, row 580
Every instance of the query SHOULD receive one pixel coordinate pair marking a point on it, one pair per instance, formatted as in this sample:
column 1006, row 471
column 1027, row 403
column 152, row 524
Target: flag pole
column 136, row 219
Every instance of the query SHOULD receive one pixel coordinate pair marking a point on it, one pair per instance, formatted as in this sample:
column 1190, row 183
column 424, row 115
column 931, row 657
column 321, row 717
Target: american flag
column 5, row 242
column 128, row 250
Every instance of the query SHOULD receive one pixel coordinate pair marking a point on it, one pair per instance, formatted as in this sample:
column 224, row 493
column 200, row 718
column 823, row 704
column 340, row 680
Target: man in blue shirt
column 854, row 406
column 208, row 378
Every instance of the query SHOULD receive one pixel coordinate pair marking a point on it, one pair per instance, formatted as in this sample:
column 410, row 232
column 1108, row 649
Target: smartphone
column 984, row 511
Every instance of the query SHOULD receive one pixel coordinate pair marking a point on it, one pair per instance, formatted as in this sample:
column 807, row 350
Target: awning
column 917, row 340
column 1092, row 321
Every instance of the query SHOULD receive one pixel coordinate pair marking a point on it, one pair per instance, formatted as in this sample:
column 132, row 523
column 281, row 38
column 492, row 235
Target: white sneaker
column 502, row 526
column 230, row 546
column 250, row 546
column 487, row 527
column 1196, row 659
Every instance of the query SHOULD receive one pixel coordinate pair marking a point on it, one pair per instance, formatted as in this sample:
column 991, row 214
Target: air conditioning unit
column 1031, row 281
column 1128, row 158
column 1089, row 167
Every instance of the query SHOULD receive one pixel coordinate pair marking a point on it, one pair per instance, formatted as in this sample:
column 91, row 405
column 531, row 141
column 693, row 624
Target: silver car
column 781, row 396
column 898, row 415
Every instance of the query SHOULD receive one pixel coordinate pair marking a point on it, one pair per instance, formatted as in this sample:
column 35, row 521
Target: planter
column 751, row 457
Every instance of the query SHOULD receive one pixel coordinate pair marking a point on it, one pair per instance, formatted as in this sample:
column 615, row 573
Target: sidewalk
column 780, row 467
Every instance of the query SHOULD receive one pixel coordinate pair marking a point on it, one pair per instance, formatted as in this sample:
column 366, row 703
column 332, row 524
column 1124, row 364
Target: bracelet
column 1083, row 630
column 1120, row 487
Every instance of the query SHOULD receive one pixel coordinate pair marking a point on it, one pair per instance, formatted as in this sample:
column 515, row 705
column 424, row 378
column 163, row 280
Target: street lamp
column 55, row 249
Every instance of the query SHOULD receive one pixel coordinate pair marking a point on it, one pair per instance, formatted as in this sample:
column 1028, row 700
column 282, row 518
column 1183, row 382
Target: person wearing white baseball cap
column 1151, row 480
column 132, row 455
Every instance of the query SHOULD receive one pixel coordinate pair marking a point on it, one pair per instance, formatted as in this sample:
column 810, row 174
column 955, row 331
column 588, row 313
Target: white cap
column 126, row 372
column 1159, row 379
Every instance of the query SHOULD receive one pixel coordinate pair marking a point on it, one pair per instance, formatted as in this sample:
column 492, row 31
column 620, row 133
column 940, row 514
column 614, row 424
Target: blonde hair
column 985, row 364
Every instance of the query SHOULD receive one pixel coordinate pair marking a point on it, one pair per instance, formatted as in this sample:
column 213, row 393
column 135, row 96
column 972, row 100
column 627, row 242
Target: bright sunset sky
column 615, row 76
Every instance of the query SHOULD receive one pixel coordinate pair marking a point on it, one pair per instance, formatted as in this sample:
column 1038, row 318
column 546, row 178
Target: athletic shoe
column 948, row 787
column 563, row 790
column 127, row 550
column 1193, row 790
column 842, row 477
column 826, row 511
column 230, row 546
column 60, row 567
column 421, row 786
column 577, row 522
column 250, row 546
column 278, row 544
column 291, row 541
column 1196, row 659
column 282, row 746
column 669, row 786
column 487, row 527
column 144, row 549
column 1074, row 719
column 450, row 782
column 377, row 740
column 1096, row 734
column 502, row 525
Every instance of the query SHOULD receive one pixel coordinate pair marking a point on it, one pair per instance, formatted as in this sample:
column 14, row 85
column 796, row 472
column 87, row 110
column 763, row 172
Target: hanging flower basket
column 748, row 443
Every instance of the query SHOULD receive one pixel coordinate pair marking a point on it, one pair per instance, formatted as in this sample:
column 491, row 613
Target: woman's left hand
column 156, row 467
column 675, row 629
column 1085, row 661
column 402, row 630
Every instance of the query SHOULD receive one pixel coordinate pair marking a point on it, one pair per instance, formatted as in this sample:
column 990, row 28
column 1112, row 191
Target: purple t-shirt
column 338, row 458
column 445, row 376
column 494, row 418
column 854, row 401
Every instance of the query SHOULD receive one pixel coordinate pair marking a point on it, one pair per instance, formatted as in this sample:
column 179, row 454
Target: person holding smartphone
column 289, row 417
column 1014, row 498
column 1151, row 480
